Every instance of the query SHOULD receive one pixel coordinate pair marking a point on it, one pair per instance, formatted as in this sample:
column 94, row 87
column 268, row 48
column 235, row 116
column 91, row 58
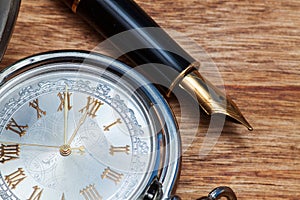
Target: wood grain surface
column 256, row 46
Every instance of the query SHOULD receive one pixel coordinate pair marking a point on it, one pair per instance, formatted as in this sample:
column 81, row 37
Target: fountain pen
column 156, row 49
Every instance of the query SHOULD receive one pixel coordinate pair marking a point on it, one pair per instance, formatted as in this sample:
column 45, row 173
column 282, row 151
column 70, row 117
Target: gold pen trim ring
column 194, row 66
column 75, row 5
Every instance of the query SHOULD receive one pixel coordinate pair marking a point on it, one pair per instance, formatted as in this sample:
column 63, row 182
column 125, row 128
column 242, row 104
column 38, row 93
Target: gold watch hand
column 81, row 121
column 33, row 145
column 66, row 109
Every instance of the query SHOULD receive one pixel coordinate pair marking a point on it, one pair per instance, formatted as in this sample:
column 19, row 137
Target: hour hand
column 80, row 123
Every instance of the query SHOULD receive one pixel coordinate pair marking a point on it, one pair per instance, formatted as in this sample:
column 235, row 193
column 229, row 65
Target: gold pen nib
column 211, row 99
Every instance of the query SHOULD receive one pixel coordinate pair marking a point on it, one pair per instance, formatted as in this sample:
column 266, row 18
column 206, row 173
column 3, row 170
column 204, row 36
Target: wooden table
column 256, row 46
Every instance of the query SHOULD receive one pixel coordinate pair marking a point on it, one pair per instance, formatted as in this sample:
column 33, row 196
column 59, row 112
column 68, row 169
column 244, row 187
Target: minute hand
column 81, row 121
column 66, row 110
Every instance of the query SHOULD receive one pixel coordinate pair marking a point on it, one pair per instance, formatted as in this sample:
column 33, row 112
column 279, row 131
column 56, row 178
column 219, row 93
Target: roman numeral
column 90, row 193
column 112, row 175
column 62, row 97
column 91, row 107
column 106, row 128
column 35, row 104
column 18, row 129
column 125, row 149
column 9, row 152
column 15, row 178
column 36, row 194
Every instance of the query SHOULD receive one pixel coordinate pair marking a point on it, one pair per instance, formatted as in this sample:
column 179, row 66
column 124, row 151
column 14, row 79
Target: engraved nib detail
column 211, row 99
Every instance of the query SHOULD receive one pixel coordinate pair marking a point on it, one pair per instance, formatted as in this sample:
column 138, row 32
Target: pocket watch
column 80, row 125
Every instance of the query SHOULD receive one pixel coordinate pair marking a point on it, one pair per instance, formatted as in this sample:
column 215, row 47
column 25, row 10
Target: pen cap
column 9, row 10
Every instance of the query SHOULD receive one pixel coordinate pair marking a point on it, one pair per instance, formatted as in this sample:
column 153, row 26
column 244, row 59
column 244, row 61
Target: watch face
column 73, row 130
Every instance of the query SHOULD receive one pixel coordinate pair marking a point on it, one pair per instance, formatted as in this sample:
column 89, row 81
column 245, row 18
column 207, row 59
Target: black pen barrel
column 145, row 43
